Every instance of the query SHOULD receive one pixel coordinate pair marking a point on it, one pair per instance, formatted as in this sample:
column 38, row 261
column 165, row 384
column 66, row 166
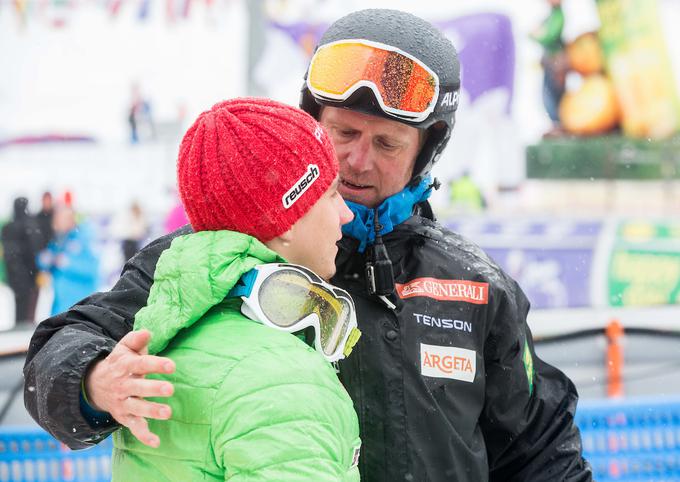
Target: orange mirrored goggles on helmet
column 405, row 87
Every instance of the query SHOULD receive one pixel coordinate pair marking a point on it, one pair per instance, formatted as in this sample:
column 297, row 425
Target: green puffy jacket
column 250, row 403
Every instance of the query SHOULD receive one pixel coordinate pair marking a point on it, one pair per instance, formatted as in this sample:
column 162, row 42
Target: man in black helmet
column 445, row 379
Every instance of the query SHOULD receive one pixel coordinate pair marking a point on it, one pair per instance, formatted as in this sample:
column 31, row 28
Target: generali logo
column 445, row 290
column 448, row 362
column 307, row 179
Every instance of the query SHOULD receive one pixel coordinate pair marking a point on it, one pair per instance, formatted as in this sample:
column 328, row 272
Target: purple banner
column 551, row 260
column 486, row 49
column 551, row 278
column 484, row 42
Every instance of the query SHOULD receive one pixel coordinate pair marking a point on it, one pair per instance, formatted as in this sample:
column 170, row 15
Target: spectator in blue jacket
column 69, row 260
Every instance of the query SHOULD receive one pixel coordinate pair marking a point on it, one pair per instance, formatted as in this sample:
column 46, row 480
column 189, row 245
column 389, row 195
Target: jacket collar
column 392, row 211
column 192, row 276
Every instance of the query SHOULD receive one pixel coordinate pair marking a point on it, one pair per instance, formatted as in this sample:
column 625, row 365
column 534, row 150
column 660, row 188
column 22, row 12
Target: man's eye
column 387, row 146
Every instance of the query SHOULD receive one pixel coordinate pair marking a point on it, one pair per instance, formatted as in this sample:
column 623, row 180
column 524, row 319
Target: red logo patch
column 445, row 290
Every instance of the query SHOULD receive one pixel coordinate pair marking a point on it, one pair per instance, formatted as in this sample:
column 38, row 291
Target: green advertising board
column 604, row 157
column 644, row 267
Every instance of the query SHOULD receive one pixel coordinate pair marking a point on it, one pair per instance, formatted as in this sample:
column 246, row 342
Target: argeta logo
column 450, row 99
column 448, row 362
column 307, row 179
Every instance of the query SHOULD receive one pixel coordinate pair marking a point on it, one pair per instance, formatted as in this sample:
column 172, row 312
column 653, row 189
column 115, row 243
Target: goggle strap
column 310, row 335
column 244, row 286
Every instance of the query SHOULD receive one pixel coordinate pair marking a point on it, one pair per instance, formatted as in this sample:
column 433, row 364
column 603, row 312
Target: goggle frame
column 252, row 308
column 400, row 114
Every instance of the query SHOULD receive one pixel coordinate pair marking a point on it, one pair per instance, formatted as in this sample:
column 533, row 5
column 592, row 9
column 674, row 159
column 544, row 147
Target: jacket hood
column 192, row 276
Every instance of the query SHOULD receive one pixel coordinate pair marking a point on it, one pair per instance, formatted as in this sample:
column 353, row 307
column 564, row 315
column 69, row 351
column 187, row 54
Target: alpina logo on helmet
column 307, row 179
column 450, row 99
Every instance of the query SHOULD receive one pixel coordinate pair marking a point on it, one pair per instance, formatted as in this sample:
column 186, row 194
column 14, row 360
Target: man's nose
column 358, row 156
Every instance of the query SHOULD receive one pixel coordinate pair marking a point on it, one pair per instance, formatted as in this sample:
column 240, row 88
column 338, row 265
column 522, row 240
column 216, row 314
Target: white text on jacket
column 447, row 323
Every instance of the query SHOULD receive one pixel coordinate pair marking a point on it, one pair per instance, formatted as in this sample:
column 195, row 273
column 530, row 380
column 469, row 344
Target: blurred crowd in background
column 51, row 255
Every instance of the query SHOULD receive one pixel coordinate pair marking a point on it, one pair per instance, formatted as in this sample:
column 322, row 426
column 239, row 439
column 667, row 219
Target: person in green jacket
column 554, row 60
column 465, row 195
column 258, row 180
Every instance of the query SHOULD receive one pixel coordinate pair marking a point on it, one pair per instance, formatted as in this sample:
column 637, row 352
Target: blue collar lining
column 392, row 211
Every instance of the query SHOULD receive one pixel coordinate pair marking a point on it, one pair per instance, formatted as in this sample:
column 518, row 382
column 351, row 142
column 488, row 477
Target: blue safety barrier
column 624, row 441
column 31, row 454
column 632, row 439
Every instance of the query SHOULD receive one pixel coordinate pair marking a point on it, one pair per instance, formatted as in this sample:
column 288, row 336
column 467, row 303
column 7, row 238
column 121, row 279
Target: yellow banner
column 639, row 66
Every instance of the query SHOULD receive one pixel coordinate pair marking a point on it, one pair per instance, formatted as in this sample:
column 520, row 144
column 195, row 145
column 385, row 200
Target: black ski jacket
column 446, row 384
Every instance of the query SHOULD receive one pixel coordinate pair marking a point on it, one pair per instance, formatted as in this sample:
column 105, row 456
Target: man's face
column 376, row 155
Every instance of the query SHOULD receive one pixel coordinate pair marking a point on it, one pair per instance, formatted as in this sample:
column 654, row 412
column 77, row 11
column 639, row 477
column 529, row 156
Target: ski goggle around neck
column 291, row 298
column 405, row 87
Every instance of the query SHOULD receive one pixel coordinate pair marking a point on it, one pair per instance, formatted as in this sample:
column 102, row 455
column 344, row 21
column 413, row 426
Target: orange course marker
column 614, row 332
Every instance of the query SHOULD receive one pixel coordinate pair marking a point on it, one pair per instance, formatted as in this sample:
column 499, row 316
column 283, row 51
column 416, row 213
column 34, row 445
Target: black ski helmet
column 418, row 38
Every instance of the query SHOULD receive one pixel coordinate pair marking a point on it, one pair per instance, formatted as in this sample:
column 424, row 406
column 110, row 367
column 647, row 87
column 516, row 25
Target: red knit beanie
column 254, row 166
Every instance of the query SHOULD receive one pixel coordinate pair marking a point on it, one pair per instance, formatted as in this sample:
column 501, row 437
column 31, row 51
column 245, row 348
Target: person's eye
column 346, row 133
column 386, row 145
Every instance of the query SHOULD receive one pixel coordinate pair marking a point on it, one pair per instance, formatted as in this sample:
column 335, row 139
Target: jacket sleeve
column 65, row 345
column 274, row 420
column 528, row 416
